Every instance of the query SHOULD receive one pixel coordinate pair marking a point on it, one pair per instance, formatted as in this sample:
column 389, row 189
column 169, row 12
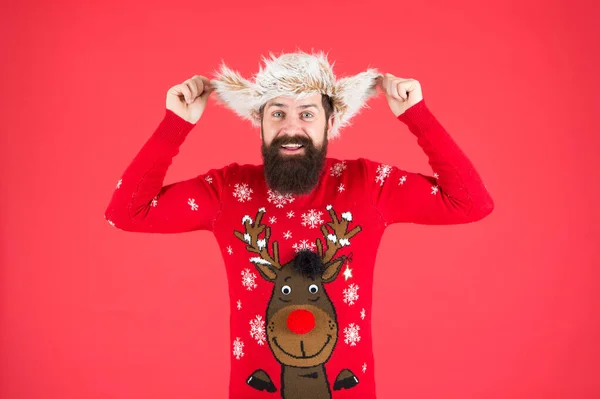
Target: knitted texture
column 300, row 267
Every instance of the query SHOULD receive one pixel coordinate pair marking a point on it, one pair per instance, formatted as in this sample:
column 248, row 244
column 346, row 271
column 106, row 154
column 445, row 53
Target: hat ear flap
column 351, row 95
column 237, row 93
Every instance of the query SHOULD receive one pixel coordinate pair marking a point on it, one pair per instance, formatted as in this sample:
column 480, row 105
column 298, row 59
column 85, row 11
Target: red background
column 503, row 308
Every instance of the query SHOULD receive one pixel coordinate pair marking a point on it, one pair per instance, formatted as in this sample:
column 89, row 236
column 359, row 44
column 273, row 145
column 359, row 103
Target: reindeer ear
column 267, row 273
column 266, row 270
column 332, row 270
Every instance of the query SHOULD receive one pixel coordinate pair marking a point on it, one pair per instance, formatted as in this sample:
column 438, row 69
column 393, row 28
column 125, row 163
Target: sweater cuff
column 418, row 118
column 173, row 129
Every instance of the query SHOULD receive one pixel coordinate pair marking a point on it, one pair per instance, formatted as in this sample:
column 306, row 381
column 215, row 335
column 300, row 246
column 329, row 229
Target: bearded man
column 299, row 233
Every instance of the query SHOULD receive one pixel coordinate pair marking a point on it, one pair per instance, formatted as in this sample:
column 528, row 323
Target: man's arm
column 453, row 194
column 140, row 202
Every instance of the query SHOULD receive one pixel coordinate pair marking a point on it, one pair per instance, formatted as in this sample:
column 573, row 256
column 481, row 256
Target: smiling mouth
column 302, row 349
column 292, row 145
column 292, row 148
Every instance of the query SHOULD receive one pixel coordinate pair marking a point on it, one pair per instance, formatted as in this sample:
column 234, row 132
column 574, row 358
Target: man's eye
column 277, row 114
column 308, row 115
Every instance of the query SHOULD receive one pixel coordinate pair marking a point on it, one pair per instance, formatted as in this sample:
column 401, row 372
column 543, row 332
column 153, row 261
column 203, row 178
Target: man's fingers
column 395, row 87
column 204, row 85
column 201, row 82
column 388, row 87
column 186, row 92
column 401, row 91
column 208, row 88
column 193, row 89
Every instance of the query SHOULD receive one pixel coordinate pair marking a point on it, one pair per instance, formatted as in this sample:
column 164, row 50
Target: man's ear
column 330, row 122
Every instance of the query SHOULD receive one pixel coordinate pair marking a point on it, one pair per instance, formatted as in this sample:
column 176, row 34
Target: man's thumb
column 207, row 89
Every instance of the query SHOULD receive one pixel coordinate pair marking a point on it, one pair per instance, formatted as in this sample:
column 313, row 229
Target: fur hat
column 297, row 75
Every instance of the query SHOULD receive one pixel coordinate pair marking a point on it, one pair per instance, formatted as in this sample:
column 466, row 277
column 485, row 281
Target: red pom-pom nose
column 301, row 321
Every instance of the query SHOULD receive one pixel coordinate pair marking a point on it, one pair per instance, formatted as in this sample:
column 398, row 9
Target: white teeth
column 292, row 145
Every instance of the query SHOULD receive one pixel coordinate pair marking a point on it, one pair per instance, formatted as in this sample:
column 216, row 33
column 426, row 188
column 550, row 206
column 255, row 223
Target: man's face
column 294, row 134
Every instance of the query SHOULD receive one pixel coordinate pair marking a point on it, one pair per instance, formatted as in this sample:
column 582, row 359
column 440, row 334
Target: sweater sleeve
column 141, row 203
column 453, row 193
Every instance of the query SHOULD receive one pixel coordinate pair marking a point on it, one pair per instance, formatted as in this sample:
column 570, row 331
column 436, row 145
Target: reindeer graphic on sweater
column 302, row 327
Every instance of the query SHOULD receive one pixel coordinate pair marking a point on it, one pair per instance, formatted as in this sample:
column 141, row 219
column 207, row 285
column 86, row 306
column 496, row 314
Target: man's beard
column 293, row 174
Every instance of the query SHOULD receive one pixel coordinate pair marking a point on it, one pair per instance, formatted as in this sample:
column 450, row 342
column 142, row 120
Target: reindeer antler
column 339, row 239
column 258, row 246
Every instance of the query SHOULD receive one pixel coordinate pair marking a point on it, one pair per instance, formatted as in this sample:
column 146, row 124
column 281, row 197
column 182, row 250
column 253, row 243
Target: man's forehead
column 292, row 102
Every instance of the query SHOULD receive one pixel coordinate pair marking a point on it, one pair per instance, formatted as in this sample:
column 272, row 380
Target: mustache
column 283, row 140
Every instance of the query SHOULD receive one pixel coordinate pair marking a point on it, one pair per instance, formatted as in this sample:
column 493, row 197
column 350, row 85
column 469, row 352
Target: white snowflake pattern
column 434, row 190
column 239, row 304
column 290, row 214
column 351, row 334
column 304, row 244
column 341, row 188
column 338, row 168
column 155, row 201
column 364, row 368
column 238, row 348
column 351, row 294
column 257, row 329
column 435, row 175
column 229, row 250
column 242, row 192
column 275, row 197
column 248, row 279
column 363, row 314
column 383, row 171
column 192, row 204
column 272, row 220
column 402, row 180
column 119, row 183
column 312, row 219
column 209, row 179
column 287, row 235
column 110, row 222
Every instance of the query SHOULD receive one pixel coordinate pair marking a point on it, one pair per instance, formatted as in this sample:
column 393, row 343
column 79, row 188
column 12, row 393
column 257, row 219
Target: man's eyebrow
column 300, row 106
column 308, row 106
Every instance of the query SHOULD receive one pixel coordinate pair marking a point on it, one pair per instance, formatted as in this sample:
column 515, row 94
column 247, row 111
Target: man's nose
column 292, row 125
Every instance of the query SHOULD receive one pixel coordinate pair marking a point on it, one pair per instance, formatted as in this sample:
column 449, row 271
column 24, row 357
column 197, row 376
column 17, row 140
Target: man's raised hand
column 400, row 93
column 188, row 99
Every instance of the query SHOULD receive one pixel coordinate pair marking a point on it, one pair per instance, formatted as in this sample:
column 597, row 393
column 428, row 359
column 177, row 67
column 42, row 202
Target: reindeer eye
column 286, row 289
column 313, row 289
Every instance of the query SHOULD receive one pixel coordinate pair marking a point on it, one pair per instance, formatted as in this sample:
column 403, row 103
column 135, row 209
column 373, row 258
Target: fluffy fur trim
column 297, row 75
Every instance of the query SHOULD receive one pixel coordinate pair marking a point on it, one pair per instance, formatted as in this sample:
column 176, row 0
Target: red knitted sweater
column 300, row 320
